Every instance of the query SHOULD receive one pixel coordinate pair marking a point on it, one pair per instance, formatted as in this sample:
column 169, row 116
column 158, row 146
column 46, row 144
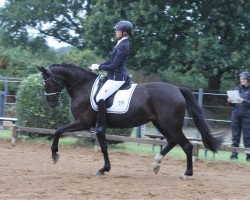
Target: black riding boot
column 234, row 156
column 101, row 117
column 248, row 158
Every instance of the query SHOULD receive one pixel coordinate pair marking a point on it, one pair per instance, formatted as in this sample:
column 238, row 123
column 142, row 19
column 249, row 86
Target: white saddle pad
column 121, row 100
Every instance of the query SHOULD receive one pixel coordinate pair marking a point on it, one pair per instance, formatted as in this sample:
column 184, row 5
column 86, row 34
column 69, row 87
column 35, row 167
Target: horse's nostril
column 53, row 106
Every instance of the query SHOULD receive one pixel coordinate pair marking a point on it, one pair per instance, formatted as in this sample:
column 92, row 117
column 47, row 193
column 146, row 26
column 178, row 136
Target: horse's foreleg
column 54, row 147
column 104, row 147
column 75, row 126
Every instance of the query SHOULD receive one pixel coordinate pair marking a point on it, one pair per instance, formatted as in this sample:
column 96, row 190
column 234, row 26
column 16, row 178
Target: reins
column 76, row 82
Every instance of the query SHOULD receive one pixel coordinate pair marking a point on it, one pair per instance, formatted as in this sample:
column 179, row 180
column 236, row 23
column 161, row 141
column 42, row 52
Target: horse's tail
column 194, row 110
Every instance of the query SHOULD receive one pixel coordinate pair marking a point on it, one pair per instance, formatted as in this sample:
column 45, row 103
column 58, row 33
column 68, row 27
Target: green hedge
column 32, row 109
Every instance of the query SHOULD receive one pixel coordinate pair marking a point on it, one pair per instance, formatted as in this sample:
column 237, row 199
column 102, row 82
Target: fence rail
column 197, row 144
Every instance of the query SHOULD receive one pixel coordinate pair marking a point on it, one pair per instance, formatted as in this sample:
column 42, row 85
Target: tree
column 148, row 18
column 217, row 42
column 81, row 58
column 60, row 19
column 210, row 37
column 34, row 44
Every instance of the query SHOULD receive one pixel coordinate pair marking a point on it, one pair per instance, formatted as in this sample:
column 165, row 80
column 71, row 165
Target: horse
column 161, row 103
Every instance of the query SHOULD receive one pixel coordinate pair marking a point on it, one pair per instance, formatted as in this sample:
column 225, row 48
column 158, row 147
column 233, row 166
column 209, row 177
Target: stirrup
column 98, row 129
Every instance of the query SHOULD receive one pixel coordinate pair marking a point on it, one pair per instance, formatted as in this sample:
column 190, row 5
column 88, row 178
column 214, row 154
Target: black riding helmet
column 124, row 26
column 245, row 75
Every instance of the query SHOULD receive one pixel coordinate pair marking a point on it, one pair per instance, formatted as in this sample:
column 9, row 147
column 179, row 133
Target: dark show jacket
column 115, row 66
column 242, row 109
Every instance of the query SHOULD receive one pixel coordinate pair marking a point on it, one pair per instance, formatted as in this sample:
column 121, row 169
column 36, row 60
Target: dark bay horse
column 161, row 103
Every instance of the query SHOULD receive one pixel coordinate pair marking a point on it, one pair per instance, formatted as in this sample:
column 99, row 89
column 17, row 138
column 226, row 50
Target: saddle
column 109, row 101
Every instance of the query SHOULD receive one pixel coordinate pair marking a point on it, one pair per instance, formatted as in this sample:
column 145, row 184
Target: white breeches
column 108, row 89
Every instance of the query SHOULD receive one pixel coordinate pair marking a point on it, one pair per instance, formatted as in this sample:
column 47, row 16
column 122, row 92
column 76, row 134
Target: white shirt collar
column 123, row 38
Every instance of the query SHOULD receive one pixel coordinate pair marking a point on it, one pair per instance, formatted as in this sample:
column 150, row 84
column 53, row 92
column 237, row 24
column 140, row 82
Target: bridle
column 53, row 96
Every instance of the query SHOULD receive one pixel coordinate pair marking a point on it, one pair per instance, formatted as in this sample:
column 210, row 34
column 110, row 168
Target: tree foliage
column 81, row 58
column 210, row 37
column 19, row 62
column 217, row 42
column 60, row 19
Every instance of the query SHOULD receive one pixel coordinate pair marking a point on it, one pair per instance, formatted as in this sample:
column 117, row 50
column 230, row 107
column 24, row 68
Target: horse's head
column 52, row 85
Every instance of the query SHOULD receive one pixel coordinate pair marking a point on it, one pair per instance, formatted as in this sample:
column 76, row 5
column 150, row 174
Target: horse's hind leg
column 187, row 147
column 157, row 159
column 175, row 136
column 170, row 144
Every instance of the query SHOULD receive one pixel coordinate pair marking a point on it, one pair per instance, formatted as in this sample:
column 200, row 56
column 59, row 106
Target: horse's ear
column 42, row 69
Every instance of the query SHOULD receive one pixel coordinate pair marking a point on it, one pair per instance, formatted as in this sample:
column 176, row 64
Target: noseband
column 53, row 96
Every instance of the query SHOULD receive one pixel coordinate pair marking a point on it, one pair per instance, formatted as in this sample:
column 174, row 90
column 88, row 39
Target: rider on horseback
column 116, row 71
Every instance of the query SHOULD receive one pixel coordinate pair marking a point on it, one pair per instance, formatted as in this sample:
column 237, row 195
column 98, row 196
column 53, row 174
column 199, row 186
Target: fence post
column 2, row 105
column 200, row 102
column 6, row 85
column 195, row 150
column 185, row 119
column 14, row 135
column 138, row 132
column 200, row 96
column 97, row 145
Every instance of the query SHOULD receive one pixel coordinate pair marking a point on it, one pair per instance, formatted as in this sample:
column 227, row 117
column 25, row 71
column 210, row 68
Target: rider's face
column 118, row 34
column 243, row 81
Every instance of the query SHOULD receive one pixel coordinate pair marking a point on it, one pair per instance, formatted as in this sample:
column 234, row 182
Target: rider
column 116, row 71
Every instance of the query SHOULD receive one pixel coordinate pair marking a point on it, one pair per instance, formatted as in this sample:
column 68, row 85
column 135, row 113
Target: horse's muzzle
column 53, row 104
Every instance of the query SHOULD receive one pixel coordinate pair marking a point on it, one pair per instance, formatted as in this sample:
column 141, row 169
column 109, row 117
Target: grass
column 221, row 156
column 67, row 141
column 177, row 152
column 5, row 134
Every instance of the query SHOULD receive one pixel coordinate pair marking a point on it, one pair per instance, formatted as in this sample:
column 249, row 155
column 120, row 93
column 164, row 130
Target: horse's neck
column 76, row 81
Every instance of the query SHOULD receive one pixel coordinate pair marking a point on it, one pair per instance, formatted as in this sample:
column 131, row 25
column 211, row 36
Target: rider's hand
column 94, row 67
column 229, row 100
column 240, row 100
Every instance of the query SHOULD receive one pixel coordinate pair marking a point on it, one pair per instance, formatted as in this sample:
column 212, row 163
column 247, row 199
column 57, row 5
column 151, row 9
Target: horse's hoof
column 183, row 177
column 55, row 158
column 99, row 173
column 156, row 167
column 189, row 173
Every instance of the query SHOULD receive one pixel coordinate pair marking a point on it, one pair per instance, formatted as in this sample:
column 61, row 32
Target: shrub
column 32, row 109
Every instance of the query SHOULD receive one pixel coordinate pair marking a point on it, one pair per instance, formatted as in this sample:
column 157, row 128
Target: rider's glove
column 94, row 67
